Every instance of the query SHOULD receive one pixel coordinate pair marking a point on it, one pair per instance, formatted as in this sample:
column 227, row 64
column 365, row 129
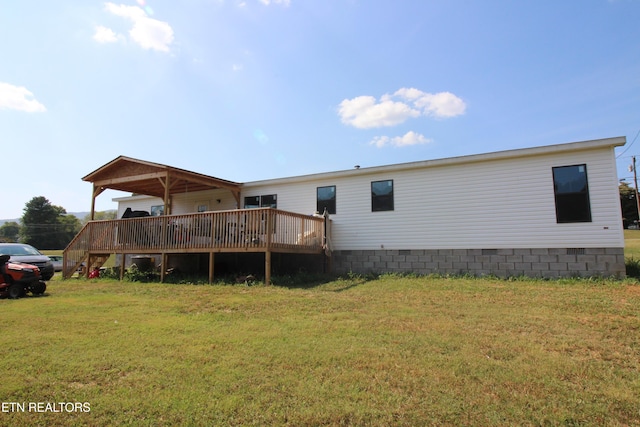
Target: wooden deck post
column 163, row 266
column 211, row 266
column 267, row 268
column 97, row 190
column 267, row 253
column 167, row 194
column 93, row 204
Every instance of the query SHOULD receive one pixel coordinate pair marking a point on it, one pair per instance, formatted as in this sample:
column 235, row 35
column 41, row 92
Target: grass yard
column 632, row 244
column 390, row 351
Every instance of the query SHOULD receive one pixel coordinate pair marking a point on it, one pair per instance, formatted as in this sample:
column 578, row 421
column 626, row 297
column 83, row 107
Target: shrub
column 633, row 267
column 134, row 274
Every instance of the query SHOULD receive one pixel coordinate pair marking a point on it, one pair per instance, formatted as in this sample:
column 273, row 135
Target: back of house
column 550, row 212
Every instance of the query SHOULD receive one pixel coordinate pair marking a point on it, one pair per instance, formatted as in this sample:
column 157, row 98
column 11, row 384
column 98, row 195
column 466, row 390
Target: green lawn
column 389, row 351
column 632, row 244
column 400, row 351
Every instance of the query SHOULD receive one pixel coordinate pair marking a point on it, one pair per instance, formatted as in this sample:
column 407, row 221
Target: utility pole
column 635, row 182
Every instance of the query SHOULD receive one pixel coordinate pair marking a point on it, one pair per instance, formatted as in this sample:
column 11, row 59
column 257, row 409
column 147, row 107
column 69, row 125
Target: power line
column 629, row 146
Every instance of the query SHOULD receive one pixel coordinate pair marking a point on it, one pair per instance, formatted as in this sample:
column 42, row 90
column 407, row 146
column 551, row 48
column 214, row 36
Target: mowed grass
column 632, row 244
column 387, row 351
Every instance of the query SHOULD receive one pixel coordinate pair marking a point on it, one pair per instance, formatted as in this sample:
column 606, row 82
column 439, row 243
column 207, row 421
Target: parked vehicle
column 56, row 260
column 17, row 278
column 20, row 252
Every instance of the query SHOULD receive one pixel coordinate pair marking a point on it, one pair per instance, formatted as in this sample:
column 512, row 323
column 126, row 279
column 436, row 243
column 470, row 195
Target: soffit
column 142, row 177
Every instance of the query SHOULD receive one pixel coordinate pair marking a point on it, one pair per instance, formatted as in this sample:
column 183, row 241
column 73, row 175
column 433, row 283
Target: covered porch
column 263, row 230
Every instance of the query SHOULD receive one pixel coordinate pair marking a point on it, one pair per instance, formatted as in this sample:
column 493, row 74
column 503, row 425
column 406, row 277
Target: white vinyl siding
column 183, row 203
column 186, row 203
column 137, row 203
column 507, row 203
column 489, row 201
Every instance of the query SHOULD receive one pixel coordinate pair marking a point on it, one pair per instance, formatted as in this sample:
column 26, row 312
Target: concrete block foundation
column 548, row 263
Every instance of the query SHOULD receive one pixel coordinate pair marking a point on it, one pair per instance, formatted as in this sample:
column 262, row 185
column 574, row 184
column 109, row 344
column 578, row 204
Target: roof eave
column 472, row 158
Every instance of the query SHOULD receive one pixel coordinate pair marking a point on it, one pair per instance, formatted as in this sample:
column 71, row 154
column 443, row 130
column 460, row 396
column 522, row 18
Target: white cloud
column 439, row 105
column 366, row 112
column 18, row 98
column 147, row 32
column 131, row 12
column 409, row 138
column 104, row 35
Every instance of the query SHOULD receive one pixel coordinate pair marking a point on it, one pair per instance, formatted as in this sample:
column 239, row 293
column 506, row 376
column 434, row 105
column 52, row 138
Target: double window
column 266, row 201
column 381, row 197
column 571, row 190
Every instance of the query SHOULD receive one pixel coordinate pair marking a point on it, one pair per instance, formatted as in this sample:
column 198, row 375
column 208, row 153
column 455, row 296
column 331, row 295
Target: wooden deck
column 243, row 230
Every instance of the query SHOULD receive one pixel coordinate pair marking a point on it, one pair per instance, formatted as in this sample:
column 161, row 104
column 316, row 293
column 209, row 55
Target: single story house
column 550, row 211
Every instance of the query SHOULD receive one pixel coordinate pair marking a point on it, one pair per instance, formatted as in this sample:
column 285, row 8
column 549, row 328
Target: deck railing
column 242, row 230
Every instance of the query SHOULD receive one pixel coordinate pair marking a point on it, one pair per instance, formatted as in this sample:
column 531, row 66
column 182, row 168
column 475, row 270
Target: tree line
column 629, row 204
column 46, row 226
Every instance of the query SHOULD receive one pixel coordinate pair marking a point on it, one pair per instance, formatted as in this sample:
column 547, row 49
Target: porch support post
column 267, row 268
column 267, row 252
column 167, row 203
column 93, row 203
column 88, row 266
column 163, row 266
column 124, row 260
column 211, row 266
column 97, row 190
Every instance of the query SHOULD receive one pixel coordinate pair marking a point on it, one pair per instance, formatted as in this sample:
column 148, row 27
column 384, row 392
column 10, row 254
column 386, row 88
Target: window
column 326, row 199
column 382, row 196
column 571, row 191
column 268, row 201
column 157, row 210
column 252, row 202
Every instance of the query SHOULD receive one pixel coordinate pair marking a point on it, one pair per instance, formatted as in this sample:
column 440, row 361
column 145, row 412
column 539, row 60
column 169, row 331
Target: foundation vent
column 575, row 251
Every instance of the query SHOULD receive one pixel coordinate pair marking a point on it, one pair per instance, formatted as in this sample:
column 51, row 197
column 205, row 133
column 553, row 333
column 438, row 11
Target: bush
column 110, row 273
column 633, row 267
column 134, row 274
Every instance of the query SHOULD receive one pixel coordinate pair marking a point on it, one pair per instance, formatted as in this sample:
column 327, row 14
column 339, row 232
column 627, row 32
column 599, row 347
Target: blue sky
column 254, row 89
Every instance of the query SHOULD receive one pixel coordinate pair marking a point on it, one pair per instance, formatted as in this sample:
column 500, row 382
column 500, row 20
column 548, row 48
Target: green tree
column 69, row 226
column 10, row 232
column 100, row 216
column 47, row 226
column 628, row 204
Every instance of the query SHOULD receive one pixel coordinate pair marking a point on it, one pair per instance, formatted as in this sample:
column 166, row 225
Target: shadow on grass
column 333, row 282
column 338, row 283
column 303, row 280
column 27, row 296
